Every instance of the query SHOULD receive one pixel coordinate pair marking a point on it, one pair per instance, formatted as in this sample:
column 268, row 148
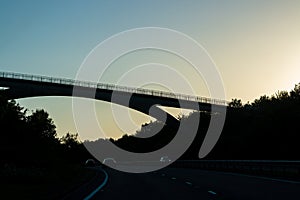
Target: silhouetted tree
column 70, row 140
column 282, row 95
column 236, row 103
column 42, row 126
column 13, row 126
column 73, row 149
column 261, row 102
column 295, row 93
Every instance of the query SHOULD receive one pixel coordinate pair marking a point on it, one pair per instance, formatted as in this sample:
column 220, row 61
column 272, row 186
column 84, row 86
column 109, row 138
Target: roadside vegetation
column 34, row 162
column 267, row 128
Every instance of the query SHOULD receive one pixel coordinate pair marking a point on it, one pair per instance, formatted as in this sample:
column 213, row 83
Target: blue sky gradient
column 255, row 44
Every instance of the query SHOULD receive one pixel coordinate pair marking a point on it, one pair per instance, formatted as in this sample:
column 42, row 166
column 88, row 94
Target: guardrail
column 273, row 168
column 105, row 86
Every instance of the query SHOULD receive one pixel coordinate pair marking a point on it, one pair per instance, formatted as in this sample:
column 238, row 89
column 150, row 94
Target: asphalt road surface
column 178, row 183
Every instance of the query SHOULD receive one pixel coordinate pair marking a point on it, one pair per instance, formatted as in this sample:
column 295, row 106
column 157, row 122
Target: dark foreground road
column 172, row 183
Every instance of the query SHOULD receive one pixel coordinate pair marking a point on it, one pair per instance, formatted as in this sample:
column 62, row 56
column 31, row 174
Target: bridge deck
column 105, row 86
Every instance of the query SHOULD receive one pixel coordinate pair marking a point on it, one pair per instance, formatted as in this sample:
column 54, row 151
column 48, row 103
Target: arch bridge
column 17, row 85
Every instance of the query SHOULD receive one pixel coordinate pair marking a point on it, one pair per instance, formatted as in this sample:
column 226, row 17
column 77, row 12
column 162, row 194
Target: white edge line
column 99, row 187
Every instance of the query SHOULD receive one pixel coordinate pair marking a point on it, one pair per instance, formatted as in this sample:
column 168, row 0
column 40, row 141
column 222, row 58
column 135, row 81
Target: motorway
column 179, row 183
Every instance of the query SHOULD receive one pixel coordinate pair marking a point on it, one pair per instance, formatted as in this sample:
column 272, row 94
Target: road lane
column 236, row 186
column 179, row 183
column 147, row 186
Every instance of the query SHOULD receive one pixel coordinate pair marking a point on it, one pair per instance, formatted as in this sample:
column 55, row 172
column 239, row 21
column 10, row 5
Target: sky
column 254, row 44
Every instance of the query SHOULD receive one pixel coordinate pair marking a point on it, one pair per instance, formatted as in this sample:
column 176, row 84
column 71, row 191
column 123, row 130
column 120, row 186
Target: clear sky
column 255, row 44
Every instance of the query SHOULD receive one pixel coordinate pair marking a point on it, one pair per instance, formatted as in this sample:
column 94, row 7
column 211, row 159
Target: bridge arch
column 18, row 89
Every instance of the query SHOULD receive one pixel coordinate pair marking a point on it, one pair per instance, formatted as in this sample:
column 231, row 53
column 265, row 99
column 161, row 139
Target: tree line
column 31, row 140
column 267, row 128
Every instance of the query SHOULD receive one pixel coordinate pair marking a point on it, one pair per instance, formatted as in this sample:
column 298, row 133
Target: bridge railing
column 88, row 84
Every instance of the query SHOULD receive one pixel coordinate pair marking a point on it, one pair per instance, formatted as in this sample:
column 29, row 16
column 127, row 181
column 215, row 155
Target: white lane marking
column 163, row 174
column 189, row 183
column 99, row 187
column 173, row 178
column 212, row 192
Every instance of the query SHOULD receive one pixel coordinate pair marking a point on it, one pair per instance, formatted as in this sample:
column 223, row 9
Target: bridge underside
column 23, row 89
